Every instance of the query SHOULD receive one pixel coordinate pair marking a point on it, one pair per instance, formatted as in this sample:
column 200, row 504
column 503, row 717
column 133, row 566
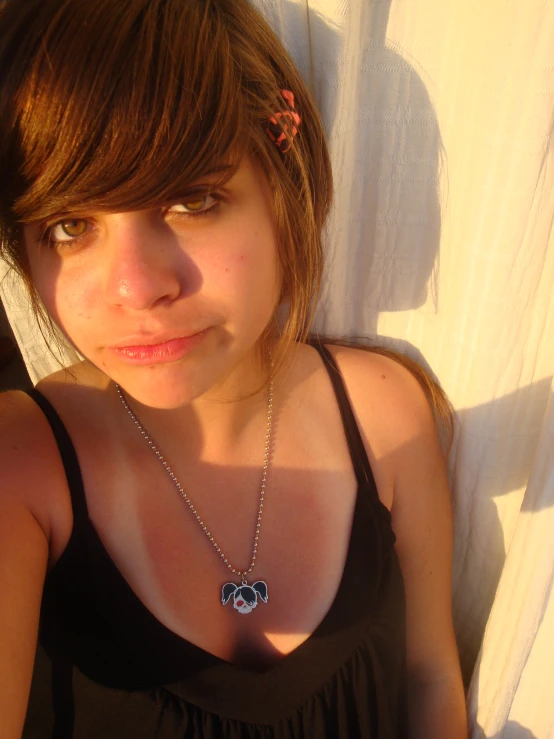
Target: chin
column 167, row 384
column 166, row 388
column 174, row 384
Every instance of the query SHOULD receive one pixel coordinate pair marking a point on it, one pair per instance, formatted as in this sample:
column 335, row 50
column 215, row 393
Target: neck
column 216, row 424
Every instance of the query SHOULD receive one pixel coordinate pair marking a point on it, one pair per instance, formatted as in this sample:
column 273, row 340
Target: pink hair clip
column 284, row 122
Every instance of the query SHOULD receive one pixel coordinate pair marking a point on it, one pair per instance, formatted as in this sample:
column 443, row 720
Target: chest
column 165, row 555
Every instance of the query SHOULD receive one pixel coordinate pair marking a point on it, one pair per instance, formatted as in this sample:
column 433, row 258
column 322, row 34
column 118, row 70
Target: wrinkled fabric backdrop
column 440, row 119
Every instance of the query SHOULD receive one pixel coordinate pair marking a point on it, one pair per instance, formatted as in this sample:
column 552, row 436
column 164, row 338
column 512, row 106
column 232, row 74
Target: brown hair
column 99, row 104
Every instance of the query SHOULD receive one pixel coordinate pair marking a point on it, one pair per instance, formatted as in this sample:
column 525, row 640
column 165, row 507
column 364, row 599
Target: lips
column 156, row 350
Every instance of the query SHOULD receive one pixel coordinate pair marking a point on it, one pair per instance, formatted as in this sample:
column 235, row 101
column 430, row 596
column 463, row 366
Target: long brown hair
column 122, row 104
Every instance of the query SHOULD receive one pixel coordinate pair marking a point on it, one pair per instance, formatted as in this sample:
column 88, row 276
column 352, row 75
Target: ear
column 261, row 588
column 227, row 591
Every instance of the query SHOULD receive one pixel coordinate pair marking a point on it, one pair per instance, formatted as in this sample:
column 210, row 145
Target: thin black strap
column 67, row 454
column 358, row 453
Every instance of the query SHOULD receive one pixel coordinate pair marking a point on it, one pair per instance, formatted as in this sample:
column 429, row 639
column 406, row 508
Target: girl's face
column 166, row 301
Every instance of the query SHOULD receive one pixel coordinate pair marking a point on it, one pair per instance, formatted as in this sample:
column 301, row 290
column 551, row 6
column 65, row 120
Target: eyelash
column 45, row 238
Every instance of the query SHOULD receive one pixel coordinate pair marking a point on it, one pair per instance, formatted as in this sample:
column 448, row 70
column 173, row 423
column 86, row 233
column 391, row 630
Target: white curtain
column 440, row 120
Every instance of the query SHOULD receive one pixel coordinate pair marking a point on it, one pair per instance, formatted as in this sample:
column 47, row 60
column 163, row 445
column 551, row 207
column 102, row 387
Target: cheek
column 251, row 273
column 69, row 297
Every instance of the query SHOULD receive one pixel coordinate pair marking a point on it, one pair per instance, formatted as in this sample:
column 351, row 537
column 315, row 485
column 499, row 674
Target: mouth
column 159, row 352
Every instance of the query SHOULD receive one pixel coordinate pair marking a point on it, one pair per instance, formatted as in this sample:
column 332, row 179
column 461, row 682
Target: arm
column 406, row 457
column 422, row 521
column 23, row 559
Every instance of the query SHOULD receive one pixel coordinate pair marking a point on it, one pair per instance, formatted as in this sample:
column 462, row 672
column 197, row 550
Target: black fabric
column 133, row 677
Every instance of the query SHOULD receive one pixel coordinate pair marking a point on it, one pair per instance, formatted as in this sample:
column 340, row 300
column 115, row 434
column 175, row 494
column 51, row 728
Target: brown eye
column 70, row 229
column 198, row 204
column 74, row 228
column 195, row 204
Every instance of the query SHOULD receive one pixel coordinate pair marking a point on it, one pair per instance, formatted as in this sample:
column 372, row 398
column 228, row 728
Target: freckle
column 383, row 377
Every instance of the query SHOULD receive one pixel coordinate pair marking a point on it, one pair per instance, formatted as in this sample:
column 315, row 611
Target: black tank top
column 116, row 672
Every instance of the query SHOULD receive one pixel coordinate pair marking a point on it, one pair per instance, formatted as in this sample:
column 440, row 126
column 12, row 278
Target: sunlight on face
column 169, row 300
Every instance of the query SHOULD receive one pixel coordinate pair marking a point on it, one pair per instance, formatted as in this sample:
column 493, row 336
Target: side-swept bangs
column 123, row 104
column 112, row 116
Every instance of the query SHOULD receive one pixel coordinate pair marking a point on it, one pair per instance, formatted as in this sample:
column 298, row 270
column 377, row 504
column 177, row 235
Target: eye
column 198, row 204
column 68, row 230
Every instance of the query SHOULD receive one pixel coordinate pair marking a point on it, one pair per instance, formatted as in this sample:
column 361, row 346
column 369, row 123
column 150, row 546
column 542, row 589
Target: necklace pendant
column 245, row 597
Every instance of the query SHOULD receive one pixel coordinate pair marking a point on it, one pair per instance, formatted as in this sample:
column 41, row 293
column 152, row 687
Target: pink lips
column 166, row 351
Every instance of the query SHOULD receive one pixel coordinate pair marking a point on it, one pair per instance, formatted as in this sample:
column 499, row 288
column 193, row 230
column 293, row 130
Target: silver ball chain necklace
column 245, row 596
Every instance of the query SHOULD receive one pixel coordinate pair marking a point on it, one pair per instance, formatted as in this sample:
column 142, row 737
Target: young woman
column 215, row 528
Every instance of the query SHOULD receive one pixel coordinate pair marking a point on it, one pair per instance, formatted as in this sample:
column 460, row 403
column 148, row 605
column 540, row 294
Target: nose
column 144, row 263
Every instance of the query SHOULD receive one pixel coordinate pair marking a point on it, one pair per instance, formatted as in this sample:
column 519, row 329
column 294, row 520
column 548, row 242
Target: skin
column 151, row 271
column 213, row 270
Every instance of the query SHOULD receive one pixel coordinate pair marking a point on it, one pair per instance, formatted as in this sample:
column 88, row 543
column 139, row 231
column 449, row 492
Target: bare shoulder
column 400, row 431
column 32, row 472
column 388, row 400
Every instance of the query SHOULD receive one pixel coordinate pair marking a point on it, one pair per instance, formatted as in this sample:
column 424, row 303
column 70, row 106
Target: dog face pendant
column 245, row 597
